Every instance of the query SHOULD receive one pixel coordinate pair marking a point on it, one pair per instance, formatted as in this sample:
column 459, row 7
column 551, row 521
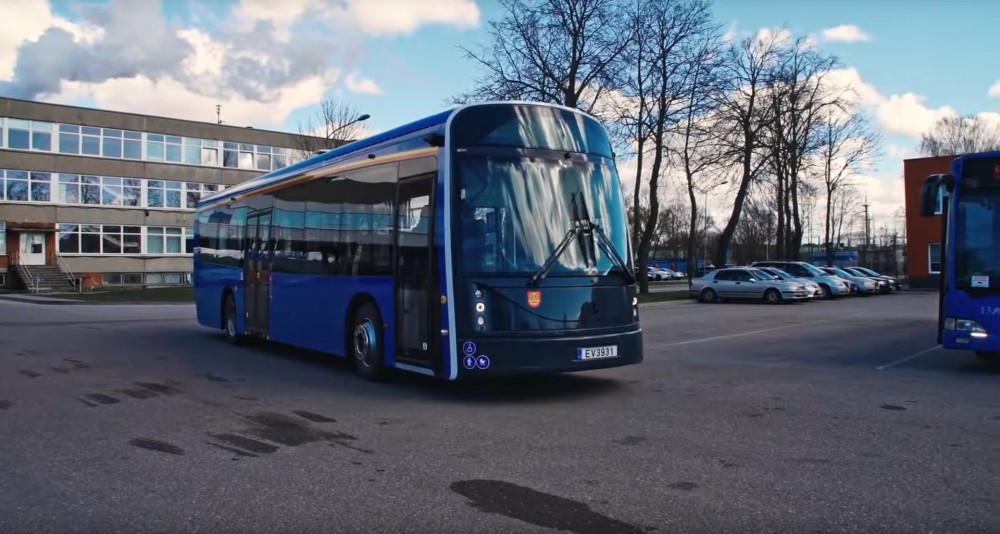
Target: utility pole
column 867, row 232
column 218, row 113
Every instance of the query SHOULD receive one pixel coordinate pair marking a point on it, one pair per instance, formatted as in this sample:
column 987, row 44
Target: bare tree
column 667, row 39
column 557, row 51
column 798, row 96
column 951, row 136
column 843, row 214
column 848, row 147
column 335, row 124
column 696, row 148
column 742, row 116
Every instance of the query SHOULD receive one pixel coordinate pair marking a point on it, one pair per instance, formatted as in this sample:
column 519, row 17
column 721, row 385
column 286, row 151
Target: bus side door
column 257, row 274
column 415, row 268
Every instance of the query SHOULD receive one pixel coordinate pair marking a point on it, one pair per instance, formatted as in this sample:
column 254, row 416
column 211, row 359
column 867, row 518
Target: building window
column 99, row 239
column 164, row 240
column 162, row 194
column 29, row 135
column 24, row 186
column 934, row 258
column 75, row 139
column 3, row 238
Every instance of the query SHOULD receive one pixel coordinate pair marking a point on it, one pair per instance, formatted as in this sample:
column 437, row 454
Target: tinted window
column 529, row 126
column 339, row 225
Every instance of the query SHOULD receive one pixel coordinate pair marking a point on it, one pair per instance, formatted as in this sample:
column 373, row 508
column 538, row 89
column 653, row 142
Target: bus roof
column 284, row 173
column 279, row 175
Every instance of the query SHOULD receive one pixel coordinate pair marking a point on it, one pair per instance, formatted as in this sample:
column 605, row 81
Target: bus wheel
column 366, row 343
column 229, row 320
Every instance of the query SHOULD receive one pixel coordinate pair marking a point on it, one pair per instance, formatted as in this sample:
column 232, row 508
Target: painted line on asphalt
column 910, row 357
column 729, row 336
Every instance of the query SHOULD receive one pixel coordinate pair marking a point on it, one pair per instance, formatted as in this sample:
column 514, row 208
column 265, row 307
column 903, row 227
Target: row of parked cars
column 783, row 281
column 662, row 274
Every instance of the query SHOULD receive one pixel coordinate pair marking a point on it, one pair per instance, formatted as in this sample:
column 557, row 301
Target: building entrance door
column 32, row 248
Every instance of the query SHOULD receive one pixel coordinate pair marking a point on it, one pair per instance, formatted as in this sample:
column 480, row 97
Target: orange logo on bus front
column 534, row 298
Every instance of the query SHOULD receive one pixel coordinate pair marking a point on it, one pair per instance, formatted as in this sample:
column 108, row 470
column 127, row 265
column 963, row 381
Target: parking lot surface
column 820, row 416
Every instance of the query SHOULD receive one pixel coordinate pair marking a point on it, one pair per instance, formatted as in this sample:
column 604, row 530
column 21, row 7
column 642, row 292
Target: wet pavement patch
column 538, row 508
column 156, row 445
column 266, row 432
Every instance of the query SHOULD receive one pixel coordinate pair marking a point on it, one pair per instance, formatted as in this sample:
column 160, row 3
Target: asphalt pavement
column 816, row 417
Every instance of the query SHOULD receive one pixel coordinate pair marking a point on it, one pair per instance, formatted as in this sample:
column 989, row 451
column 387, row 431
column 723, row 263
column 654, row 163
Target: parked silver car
column 867, row 286
column 814, row 288
column 743, row 283
column 832, row 285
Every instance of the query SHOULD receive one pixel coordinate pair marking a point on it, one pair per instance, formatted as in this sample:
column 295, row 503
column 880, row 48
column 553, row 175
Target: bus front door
column 257, row 273
column 416, row 273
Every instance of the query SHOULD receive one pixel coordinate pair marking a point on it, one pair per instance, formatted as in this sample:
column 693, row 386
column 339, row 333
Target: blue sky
column 399, row 60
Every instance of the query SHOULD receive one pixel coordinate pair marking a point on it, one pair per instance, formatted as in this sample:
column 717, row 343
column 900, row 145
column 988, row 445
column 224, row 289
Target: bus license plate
column 593, row 353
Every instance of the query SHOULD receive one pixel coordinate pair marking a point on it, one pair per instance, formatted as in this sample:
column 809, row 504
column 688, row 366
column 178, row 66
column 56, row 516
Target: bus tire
column 229, row 319
column 366, row 343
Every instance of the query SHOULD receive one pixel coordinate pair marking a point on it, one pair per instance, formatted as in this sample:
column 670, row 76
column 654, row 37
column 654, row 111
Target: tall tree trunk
column 726, row 237
column 636, row 219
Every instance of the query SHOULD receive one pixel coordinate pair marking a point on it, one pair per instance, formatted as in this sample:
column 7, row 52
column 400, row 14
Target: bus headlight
column 963, row 325
column 635, row 308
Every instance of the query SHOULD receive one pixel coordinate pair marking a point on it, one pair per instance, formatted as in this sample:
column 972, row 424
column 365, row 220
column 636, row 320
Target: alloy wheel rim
column 365, row 342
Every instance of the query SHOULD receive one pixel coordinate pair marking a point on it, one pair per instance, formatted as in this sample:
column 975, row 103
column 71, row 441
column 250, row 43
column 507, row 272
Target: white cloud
column 361, row 85
column 373, row 17
column 845, row 33
column 170, row 98
column 905, row 114
column 265, row 60
column 994, row 90
column 384, row 17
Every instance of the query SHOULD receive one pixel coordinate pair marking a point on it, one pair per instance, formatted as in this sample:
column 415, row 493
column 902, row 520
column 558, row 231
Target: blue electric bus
column 489, row 239
column 968, row 200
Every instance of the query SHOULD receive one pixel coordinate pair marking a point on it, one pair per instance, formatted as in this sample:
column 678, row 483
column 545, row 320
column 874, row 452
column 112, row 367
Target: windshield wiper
column 533, row 281
column 574, row 232
column 603, row 239
column 581, row 225
column 609, row 247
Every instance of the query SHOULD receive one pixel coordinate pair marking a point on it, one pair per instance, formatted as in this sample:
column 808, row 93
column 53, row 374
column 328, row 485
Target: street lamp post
column 363, row 117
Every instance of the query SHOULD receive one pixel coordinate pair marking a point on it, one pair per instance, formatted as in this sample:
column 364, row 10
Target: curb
column 54, row 301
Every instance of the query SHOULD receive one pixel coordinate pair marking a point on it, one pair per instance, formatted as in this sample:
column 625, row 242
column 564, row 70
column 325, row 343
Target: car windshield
column 816, row 271
column 762, row 275
column 516, row 210
column 840, row 272
column 976, row 235
column 779, row 273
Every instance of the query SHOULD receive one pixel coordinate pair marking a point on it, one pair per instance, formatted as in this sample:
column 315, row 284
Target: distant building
column 108, row 197
column 923, row 234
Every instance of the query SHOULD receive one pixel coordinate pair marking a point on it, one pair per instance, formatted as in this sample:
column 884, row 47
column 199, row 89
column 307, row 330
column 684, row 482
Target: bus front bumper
column 500, row 356
column 960, row 340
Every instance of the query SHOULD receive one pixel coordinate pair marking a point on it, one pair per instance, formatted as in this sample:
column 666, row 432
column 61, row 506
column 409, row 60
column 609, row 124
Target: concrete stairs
column 44, row 278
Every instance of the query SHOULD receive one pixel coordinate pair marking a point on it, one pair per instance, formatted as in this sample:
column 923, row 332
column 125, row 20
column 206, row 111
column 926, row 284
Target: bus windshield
column 976, row 234
column 515, row 211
